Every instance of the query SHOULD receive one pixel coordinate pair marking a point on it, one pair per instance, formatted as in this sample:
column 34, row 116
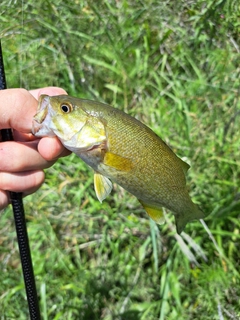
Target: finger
column 51, row 91
column 51, row 148
column 18, row 106
column 19, row 136
column 4, row 199
column 26, row 182
column 19, row 156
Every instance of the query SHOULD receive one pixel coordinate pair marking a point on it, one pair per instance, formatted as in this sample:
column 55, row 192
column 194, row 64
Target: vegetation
column 175, row 66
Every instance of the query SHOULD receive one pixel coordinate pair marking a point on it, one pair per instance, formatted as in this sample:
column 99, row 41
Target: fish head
column 66, row 118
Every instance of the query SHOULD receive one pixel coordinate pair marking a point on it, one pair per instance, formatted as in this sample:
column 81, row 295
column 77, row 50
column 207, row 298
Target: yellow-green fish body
column 120, row 149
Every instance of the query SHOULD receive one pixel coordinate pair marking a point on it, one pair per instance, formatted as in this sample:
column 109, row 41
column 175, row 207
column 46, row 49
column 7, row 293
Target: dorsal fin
column 185, row 166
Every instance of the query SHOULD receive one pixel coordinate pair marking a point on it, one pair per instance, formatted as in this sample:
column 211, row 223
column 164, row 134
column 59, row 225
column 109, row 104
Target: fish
column 120, row 149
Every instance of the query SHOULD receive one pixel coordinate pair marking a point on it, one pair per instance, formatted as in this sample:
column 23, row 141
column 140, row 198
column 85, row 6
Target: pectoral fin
column 154, row 213
column 102, row 186
column 117, row 162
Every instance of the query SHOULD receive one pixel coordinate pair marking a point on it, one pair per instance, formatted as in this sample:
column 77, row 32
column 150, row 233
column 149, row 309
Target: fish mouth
column 42, row 119
column 35, row 127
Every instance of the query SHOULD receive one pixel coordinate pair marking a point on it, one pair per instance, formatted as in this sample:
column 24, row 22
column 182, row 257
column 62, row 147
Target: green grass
column 175, row 66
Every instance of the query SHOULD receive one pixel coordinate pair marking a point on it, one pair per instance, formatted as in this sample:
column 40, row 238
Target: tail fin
column 183, row 218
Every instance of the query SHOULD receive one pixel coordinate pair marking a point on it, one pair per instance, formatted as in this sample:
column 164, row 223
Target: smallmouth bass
column 121, row 149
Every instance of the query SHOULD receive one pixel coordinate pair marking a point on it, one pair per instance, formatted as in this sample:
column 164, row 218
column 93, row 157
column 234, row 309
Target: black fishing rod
column 20, row 224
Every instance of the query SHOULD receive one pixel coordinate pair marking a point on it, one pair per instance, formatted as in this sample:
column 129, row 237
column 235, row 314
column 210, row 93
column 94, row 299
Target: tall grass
column 175, row 66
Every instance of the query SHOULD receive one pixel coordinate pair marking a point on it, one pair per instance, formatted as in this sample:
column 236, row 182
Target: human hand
column 22, row 161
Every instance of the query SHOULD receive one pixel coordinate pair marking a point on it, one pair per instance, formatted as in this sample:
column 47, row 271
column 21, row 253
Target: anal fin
column 154, row 213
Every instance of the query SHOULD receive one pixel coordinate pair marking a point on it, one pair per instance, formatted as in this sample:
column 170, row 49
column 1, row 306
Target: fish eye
column 66, row 108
